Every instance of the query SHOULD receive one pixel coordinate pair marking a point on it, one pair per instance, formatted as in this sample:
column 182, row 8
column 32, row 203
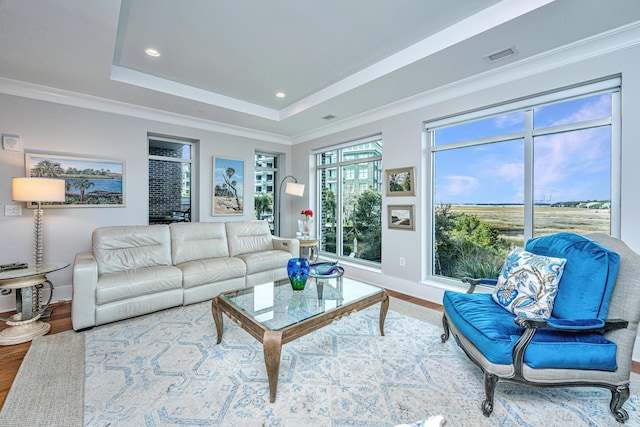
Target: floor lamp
column 293, row 189
column 38, row 190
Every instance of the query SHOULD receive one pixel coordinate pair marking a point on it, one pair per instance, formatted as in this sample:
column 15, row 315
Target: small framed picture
column 401, row 182
column 228, row 183
column 400, row 217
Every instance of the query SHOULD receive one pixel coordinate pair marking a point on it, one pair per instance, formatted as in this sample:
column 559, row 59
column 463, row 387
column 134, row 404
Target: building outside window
column 350, row 207
column 521, row 170
column 264, row 199
column 170, row 169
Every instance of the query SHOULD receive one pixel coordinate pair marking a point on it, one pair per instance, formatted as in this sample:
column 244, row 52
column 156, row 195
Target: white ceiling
column 224, row 61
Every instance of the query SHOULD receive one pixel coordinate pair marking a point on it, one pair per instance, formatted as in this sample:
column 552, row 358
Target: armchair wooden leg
column 618, row 397
column 490, row 382
column 445, row 324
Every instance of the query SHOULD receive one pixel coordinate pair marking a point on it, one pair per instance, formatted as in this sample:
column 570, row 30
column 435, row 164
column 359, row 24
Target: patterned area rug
column 165, row 369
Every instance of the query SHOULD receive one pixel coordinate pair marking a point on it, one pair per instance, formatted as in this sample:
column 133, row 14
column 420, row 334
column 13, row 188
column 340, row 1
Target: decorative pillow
column 528, row 284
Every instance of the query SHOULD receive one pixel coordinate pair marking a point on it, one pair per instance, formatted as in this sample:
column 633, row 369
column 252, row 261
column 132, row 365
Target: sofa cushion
column 493, row 332
column 258, row 262
column 248, row 236
column 528, row 284
column 211, row 270
column 122, row 285
column 198, row 240
column 120, row 248
column 588, row 277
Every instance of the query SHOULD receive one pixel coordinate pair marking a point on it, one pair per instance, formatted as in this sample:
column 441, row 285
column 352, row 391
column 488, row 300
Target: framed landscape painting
column 89, row 182
column 228, row 186
column 401, row 181
column 400, row 217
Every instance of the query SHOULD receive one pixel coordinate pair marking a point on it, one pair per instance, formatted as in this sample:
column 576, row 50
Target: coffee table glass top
column 276, row 306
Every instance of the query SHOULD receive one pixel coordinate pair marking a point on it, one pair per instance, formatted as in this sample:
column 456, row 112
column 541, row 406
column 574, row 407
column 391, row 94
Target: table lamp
column 37, row 190
column 293, row 189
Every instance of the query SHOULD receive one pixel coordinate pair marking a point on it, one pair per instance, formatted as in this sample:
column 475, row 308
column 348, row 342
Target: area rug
column 48, row 388
column 165, row 369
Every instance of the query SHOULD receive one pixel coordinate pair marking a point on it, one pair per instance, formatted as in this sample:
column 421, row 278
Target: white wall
column 54, row 128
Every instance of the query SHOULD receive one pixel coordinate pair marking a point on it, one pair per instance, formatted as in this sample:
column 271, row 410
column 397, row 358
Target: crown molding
column 621, row 38
column 81, row 100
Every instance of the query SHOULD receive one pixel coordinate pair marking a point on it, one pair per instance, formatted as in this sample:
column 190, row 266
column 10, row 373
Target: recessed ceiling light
column 152, row 52
column 281, row 94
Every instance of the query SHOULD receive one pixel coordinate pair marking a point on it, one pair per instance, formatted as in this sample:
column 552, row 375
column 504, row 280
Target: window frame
column 338, row 166
column 528, row 105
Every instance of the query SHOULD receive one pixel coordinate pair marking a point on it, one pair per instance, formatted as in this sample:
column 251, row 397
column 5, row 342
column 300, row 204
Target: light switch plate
column 12, row 210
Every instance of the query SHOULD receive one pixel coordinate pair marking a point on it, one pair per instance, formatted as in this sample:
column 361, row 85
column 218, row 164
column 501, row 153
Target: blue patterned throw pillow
column 528, row 284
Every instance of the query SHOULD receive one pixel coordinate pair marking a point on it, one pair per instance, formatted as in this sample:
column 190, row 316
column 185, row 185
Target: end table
column 26, row 283
column 309, row 248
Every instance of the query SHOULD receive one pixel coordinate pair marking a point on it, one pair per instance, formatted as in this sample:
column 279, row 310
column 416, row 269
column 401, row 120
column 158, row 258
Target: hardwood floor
column 60, row 321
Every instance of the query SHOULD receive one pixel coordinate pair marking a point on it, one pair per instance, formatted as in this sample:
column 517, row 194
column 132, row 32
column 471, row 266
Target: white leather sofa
column 135, row 270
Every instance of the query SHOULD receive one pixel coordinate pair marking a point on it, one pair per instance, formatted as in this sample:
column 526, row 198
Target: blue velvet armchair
column 564, row 312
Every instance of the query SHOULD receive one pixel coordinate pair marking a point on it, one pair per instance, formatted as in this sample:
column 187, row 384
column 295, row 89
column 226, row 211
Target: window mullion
column 528, row 174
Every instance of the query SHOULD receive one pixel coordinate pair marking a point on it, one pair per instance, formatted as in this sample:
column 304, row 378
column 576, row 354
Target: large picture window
column 350, row 200
column 509, row 173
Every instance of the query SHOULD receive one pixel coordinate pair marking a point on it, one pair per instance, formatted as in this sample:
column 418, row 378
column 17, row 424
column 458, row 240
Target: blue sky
column 568, row 166
column 220, row 168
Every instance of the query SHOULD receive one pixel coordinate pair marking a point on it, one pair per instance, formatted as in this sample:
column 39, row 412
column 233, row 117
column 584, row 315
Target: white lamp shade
column 37, row 190
column 294, row 189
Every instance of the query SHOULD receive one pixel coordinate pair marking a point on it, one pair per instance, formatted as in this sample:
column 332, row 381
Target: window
column 265, row 170
column 350, row 208
column 170, row 168
column 509, row 173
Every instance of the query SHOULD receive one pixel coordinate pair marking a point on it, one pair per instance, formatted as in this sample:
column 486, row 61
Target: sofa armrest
column 290, row 245
column 85, row 283
column 573, row 325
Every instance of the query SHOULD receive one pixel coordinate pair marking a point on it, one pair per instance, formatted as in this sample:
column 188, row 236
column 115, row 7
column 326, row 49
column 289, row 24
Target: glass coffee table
column 275, row 314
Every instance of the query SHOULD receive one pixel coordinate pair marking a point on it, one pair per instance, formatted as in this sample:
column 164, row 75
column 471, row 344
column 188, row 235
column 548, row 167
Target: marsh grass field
column 509, row 220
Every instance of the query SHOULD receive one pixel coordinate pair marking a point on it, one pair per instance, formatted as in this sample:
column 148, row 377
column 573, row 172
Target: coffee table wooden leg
column 217, row 317
column 272, row 345
column 384, row 307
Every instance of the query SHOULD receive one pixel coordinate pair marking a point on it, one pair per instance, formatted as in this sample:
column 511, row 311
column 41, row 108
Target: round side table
column 26, row 283
column 309, row 248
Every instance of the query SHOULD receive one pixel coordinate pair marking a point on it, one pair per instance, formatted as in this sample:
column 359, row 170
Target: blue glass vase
column 298, row 271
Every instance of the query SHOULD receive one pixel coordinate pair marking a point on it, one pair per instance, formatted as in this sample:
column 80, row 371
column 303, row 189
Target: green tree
column 471, row 229
column 330, row 206
column 81, row 184
column 368, row 224
column 445, row 254
column 47, row 169
column 263, row 204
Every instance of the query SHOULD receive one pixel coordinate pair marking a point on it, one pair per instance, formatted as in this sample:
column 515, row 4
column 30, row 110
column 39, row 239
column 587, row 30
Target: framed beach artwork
column 228, row 186
column 89, row 182
column 401, row 182
column 400, row 217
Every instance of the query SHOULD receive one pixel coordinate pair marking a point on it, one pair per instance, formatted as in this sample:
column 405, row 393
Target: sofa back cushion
column 191, row 241
column 248, row 236
column 121, row 248
column 589, row 274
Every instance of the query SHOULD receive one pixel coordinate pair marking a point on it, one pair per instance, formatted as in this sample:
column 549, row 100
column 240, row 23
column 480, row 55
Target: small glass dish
column 338, row 271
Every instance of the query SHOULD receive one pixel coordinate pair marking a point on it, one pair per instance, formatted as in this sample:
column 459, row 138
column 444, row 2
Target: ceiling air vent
column 329, row 117
column 501, row 54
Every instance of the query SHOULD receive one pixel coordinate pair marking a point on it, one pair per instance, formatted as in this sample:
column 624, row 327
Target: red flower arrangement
column 308, row 213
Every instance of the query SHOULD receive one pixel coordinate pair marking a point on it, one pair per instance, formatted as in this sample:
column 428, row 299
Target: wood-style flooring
column 60, row 321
